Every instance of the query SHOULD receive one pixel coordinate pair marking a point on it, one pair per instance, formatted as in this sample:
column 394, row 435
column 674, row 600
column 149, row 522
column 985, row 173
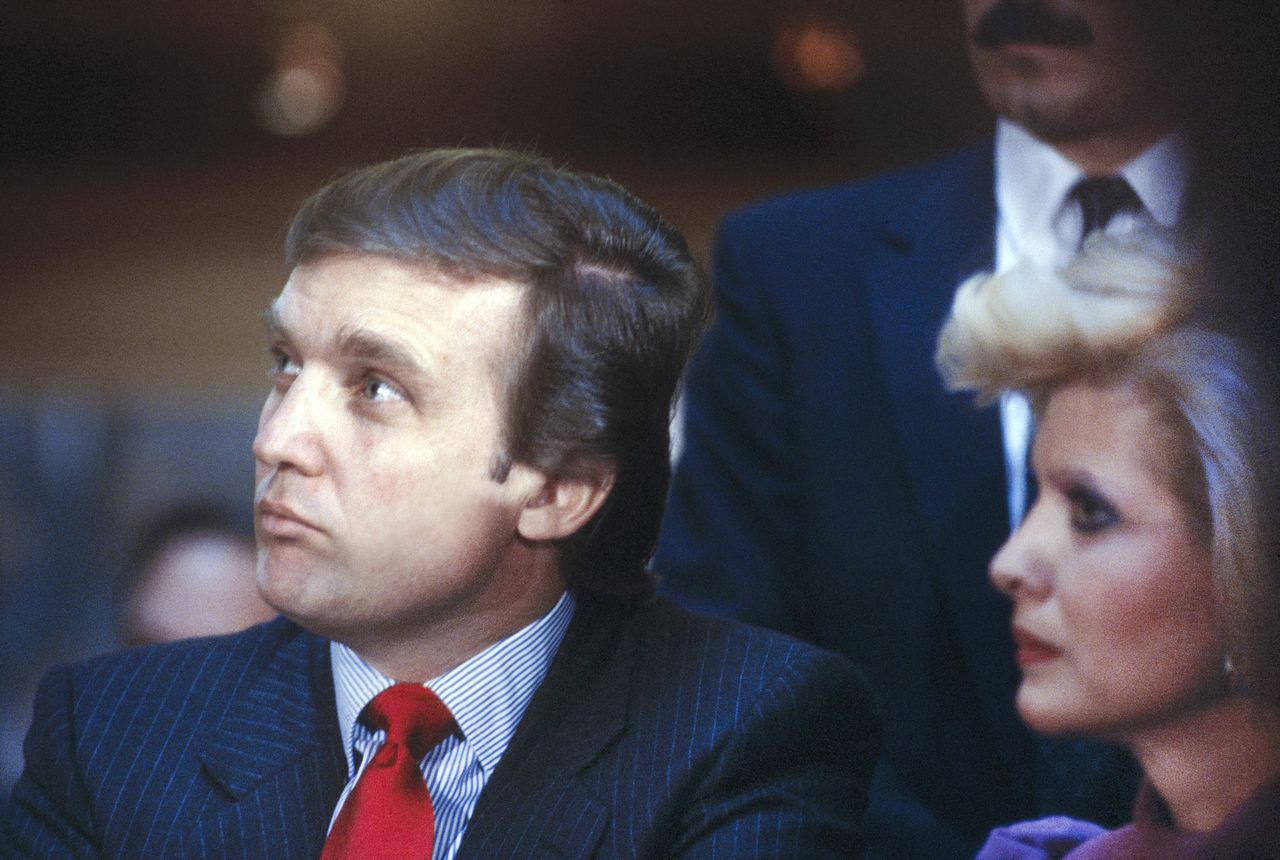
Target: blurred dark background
column 152, row 151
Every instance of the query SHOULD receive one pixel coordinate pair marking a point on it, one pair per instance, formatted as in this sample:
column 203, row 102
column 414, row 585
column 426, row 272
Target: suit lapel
column 277, row 758
column 953, row 451
column 536, row 804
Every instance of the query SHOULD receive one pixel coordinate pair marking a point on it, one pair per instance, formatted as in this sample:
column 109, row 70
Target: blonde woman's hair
column 1123, row 313
column 1029, row 327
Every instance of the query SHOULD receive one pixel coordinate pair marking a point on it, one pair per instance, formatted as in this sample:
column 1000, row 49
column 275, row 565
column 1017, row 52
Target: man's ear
column 567, row 499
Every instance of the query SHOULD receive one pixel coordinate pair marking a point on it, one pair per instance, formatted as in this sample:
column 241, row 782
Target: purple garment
column 1252, row 832
column 1042, row 839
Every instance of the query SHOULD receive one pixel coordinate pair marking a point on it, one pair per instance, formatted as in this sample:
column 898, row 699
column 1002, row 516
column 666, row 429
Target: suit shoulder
column 725, row 686
column 107, row 688
column 864, row 203
column 692, row 647
column 260, row 639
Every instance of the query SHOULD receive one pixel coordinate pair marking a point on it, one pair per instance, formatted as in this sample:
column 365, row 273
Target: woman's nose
column 1020, row 567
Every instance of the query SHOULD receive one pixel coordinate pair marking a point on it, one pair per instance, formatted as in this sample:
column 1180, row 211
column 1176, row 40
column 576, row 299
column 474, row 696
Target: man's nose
column 291, row 428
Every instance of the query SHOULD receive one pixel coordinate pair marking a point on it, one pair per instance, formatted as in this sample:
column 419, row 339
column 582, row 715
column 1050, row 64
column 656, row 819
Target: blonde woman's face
column 1114, row 615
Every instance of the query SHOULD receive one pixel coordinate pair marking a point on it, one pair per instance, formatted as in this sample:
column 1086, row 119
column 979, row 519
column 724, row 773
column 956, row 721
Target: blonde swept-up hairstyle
column 1025, row 328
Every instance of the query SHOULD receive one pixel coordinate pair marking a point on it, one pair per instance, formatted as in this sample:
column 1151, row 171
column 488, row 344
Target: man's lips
column 1031, row 649
column 279, row 520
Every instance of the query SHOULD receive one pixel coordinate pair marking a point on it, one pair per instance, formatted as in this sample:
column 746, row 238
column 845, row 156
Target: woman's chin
column 1046, row 713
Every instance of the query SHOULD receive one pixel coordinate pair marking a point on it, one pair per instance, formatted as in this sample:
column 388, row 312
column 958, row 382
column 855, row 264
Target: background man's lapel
column 953, row 452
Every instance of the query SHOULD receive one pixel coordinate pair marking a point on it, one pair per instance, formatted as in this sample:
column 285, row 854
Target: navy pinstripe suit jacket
column 656, row 733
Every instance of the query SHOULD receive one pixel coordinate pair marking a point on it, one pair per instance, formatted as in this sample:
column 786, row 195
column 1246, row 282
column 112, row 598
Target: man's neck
column 1103, row 154
column 426, row 648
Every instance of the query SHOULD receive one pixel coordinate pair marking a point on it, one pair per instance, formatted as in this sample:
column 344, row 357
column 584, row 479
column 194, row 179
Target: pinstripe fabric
column 486, row 694
column 222, row 748
column 655, row 734
column 659, row 733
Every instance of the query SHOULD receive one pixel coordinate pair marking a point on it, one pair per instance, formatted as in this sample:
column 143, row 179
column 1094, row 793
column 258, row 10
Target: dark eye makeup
column 1090, row 510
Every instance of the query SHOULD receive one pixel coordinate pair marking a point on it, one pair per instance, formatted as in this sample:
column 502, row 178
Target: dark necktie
column 1101, row 199
column 388, row 814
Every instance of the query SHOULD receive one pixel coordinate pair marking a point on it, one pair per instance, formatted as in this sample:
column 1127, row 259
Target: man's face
column 378, row 517
column 1067, row 70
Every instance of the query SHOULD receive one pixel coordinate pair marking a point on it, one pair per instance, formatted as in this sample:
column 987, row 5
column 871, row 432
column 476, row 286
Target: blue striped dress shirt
column 487, row 695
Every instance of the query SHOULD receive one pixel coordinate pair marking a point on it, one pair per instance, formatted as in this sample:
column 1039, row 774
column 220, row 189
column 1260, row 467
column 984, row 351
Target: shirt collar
column 487, row 693
column 1159, row 177
column 1033, row 179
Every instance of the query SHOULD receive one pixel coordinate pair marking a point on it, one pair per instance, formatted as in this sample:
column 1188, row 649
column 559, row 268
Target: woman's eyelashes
column 1090, row 510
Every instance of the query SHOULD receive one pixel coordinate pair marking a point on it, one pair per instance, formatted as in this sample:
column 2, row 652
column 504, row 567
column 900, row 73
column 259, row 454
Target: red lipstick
column 1032, row 650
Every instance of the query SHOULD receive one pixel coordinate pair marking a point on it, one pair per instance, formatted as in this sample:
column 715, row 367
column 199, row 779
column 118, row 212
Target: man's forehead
column 379, row 308
column 374, row 281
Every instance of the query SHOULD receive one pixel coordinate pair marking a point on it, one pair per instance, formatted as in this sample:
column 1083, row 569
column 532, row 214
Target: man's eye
column 282, row 364
column 1090, row 512
column 377, row 389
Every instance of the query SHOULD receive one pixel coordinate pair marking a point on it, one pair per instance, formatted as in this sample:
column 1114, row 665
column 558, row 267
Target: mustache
column 1030, row 21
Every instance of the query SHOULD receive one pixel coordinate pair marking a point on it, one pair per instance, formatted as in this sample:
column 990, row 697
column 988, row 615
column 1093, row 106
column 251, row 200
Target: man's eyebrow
column 356, row 343
column 375, row 349
column 271, row 319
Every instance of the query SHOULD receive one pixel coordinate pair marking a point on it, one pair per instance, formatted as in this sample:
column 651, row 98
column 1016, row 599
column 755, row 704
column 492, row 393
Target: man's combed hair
column 1123, row 313
column 614, row 305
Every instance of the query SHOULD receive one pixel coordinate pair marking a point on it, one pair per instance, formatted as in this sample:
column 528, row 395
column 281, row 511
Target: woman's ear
column 567, row 500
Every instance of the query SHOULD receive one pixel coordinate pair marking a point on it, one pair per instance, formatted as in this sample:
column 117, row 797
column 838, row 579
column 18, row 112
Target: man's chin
column 291, row 589
column 1055, row 118
column 310, row 616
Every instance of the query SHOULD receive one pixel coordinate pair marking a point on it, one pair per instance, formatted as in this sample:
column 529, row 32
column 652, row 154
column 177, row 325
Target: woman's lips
column 1032, row 650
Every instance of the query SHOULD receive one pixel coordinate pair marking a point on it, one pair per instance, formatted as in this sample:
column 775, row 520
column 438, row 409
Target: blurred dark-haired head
column 190, row 573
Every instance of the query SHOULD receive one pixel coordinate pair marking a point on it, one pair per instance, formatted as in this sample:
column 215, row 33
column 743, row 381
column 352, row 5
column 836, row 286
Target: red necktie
column 388, row 815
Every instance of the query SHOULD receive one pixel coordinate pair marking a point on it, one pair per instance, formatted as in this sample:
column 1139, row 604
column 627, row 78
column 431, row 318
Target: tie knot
column 410, row 714
column 1101, row 198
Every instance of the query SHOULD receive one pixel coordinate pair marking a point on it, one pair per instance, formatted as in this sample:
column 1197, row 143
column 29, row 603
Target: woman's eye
column 1090, row 512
